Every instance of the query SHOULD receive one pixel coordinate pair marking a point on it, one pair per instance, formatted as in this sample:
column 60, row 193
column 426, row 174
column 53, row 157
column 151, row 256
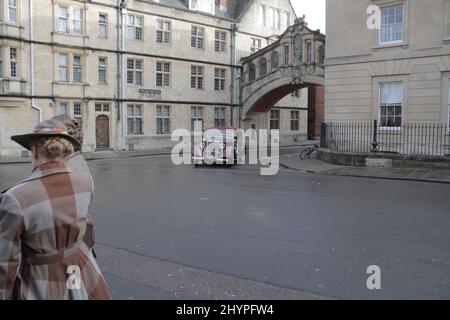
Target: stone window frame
column 274, row 60
column 103, row 68
column 387, row 6
column 387, row 106
column 164, row 73
column 376, row 80
column 195, row 115
column 136, row 68
column 197, row 77
column 286, row 54
column 12, row 8
column 321, row 52
column 102, row 107
column 198, row 37
column 295, row 120
column 70, row 67
column 197, row 6
column 255, row 44
column 66, row 107
column 13, row 62
column 262, row 66
column 220, row 77
column 163, row 120
column 61, row 18
column 274, row 119
column 103, row 23
column 134, row 27
column 220, row 117
column 135, row 119
column 70, row 19
column 64, row 66
column 251, row 72
column 77, row 68
column 77, row 20
column 220, row 42
column 78, row 116
column 162, row 33
column 376, row 35
column 309, row 52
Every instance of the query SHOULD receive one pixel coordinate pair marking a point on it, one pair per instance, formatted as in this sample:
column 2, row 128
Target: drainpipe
column 234, row 81
column 33, row 101
column 121, row 17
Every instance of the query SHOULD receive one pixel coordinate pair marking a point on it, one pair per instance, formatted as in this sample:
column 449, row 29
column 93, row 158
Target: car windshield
column 220, row 134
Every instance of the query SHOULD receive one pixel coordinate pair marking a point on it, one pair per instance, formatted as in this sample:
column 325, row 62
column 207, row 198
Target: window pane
column 63, row 108
column 391, row 24
column 129, row 110
column 130, row 77
column 138, row 78
column 130, row 63
column 138, row 64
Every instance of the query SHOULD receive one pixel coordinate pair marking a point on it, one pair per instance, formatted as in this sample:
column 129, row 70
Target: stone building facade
column 388, row 60
column 133, row 71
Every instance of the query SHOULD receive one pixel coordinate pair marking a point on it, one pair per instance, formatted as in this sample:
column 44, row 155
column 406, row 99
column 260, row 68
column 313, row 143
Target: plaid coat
column 76, row 163
column 42, row 223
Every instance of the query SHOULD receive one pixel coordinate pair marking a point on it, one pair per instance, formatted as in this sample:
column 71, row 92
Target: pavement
column 289, row 159
column 293, row 162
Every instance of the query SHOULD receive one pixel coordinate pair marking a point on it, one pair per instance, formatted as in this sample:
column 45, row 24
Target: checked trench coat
column 42, row 224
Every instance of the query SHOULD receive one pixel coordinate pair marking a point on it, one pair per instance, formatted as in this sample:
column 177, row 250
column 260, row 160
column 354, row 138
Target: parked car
column 218, row 146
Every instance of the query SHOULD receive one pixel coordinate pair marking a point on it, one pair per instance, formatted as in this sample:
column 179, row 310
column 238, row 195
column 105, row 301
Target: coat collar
column 46, row 169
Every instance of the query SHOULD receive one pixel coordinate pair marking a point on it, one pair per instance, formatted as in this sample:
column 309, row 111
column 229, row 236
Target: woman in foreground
column 42, row 224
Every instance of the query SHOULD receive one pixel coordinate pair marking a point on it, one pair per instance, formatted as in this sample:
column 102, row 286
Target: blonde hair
column 54, row 147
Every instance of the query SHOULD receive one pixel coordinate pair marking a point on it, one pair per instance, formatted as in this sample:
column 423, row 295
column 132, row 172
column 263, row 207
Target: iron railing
column 414, row 138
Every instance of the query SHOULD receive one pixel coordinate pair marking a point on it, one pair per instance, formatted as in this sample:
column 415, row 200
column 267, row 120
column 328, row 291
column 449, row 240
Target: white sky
column 314, row 11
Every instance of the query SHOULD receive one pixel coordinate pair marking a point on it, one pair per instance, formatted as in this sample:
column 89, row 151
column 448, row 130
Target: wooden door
column 102, row 131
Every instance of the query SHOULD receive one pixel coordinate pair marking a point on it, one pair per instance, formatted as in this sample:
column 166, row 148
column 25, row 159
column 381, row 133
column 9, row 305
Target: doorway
column 102, row 132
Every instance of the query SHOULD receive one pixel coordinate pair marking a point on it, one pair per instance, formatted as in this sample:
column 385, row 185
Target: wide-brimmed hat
column 47, row 128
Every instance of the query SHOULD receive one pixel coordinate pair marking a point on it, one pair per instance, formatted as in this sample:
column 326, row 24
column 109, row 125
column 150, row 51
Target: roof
column 236, row 8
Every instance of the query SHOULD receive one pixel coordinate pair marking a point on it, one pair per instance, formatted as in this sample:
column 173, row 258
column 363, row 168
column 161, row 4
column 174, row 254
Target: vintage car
column 217, row 146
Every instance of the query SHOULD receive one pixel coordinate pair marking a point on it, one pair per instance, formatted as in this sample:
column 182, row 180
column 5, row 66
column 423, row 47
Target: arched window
column 321, row 55
column 262, row 66
column 251, row 72
column 298, row 49
column 275, row 60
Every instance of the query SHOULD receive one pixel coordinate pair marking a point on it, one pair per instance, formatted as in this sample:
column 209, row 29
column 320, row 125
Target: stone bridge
column 294, row 61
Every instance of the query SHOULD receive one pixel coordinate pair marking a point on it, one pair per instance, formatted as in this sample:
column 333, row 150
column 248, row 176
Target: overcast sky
column 314, row 11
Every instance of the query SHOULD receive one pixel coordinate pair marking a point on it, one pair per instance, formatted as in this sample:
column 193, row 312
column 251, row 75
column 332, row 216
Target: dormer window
column 202, row 5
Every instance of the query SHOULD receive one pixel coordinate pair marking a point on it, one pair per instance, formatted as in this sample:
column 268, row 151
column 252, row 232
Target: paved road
column 179, row 232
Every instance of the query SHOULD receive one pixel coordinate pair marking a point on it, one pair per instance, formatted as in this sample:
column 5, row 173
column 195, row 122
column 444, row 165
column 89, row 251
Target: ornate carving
column 298, row 49
column 297, row 81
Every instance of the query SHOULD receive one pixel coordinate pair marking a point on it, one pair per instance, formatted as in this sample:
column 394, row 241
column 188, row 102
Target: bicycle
column 306, row 154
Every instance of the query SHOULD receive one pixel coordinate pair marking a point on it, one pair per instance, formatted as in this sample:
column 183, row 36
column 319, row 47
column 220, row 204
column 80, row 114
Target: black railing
column 414, row 138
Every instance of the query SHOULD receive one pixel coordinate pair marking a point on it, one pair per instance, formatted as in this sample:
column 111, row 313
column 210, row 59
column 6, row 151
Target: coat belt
column 36, row 259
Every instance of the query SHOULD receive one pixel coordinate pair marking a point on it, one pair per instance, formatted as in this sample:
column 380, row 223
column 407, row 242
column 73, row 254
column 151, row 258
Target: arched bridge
column 294, row 61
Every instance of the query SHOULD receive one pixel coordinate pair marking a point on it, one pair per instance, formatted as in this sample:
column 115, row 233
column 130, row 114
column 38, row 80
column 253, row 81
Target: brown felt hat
column 47, row 128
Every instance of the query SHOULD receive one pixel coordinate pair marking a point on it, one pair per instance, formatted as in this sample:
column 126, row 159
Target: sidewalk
column 293, row 162
column 99, row 155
